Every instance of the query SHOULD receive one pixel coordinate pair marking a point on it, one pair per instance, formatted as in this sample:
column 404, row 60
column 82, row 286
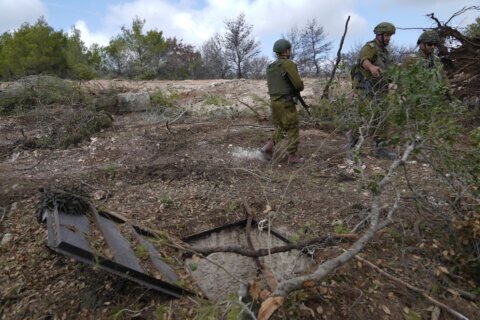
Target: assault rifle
column 296, row 95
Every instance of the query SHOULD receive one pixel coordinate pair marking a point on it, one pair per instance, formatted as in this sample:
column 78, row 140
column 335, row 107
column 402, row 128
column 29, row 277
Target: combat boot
column 380, row 152
column 292, row 159
column 267, row 150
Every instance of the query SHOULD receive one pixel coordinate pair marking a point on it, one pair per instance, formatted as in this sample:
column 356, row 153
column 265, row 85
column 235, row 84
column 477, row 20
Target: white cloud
column 15, row 13
column 442, row 9
column 90, row 37
column 270, row 18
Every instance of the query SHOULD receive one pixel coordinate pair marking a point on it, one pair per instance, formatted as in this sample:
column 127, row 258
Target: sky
column 195, row 22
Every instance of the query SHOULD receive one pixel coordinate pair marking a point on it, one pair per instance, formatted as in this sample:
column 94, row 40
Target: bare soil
column 194, row 175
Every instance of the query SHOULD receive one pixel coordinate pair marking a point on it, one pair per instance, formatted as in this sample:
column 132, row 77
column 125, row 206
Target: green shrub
column 30, row 92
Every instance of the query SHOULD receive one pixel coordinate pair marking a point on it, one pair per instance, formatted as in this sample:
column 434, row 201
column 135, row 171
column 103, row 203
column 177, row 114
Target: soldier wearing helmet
column 282, row 80
column 374, row 57
column 427, row 42
column 368, row 83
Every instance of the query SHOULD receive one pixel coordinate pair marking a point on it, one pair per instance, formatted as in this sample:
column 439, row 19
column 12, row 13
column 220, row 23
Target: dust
column 246, row 153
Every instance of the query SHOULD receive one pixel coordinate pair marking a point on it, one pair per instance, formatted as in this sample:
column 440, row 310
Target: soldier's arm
column 367, row 58
column 292, row 73
column 370, row 67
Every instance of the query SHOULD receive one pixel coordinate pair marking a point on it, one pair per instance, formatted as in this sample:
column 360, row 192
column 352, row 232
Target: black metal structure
column 69, row 235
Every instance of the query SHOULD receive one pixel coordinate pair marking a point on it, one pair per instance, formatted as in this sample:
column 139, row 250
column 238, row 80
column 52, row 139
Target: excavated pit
column 217, row 282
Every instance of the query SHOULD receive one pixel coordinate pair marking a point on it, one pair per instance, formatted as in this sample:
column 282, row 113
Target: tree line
column 136, row 53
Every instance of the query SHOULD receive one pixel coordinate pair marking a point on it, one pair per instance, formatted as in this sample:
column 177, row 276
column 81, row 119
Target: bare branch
column 325, row 268
column 260, row 117
column 168, row 123
column 456, row 314
column 339, row 57
column 265, row 252
column 462, row 11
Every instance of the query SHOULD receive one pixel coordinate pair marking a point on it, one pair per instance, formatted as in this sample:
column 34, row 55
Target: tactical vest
column 362, row 79
column 432, row 62
column 382, row 59
column 277, row 83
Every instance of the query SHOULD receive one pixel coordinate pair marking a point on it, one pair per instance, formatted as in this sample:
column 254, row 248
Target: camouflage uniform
column 372, row 89
column 282, row 80
column 428, row 60
column 362, row 80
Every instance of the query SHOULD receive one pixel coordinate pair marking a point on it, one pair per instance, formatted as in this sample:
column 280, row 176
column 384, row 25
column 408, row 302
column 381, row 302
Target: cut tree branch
column 168, row 123
column 324, row 269
column 265, row 252
column 421, row 291
column 259, row 116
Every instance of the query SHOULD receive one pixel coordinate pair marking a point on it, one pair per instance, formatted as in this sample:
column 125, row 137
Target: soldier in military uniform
column 369, row 84
column 427, row 42
column 283, row 80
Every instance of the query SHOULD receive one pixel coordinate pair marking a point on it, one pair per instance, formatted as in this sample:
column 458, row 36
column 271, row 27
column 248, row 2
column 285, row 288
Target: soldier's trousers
column 285, row 120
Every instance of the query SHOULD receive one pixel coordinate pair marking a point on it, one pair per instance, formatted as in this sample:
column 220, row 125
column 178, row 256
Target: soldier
column 369, row 84
column 427, row 42
column 283, row 80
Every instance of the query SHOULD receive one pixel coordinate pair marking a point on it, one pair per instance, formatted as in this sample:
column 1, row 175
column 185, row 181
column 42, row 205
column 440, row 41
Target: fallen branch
column 265, row 252
column 36, row 164
column 251, row 108
column 456, row 314
column 174, row 120
column 324, row 269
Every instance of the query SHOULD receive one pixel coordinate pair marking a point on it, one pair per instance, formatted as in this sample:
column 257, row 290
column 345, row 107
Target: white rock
column 99, row 195
column 7, row 237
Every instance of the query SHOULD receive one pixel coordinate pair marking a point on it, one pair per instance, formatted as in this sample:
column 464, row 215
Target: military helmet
column 384, row 27
column 429, row 36
column 281, row 45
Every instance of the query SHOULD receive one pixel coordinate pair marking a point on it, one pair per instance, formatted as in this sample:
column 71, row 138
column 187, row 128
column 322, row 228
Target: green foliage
column 396, row 236
column 134, row 53
column 294, row 238
column 412, row 315
column 163, row 100
column 110, row 170
column 33, row 91
column 294, row 299
column 473, row 29
column 208, row 312
column 168, row 202
column 77, row 59
column 39, row 49
column 181, row 283
column 141, row 252
column 193, row 266
column 33, row 49
column 80, row 126
column 216, row 100
column 161, row 312
column 232, row 206
column 341, row 229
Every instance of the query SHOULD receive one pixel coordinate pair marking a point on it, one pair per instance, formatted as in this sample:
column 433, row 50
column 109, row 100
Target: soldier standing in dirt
column 369, row 84
column 283, row 81
column 427, row 42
